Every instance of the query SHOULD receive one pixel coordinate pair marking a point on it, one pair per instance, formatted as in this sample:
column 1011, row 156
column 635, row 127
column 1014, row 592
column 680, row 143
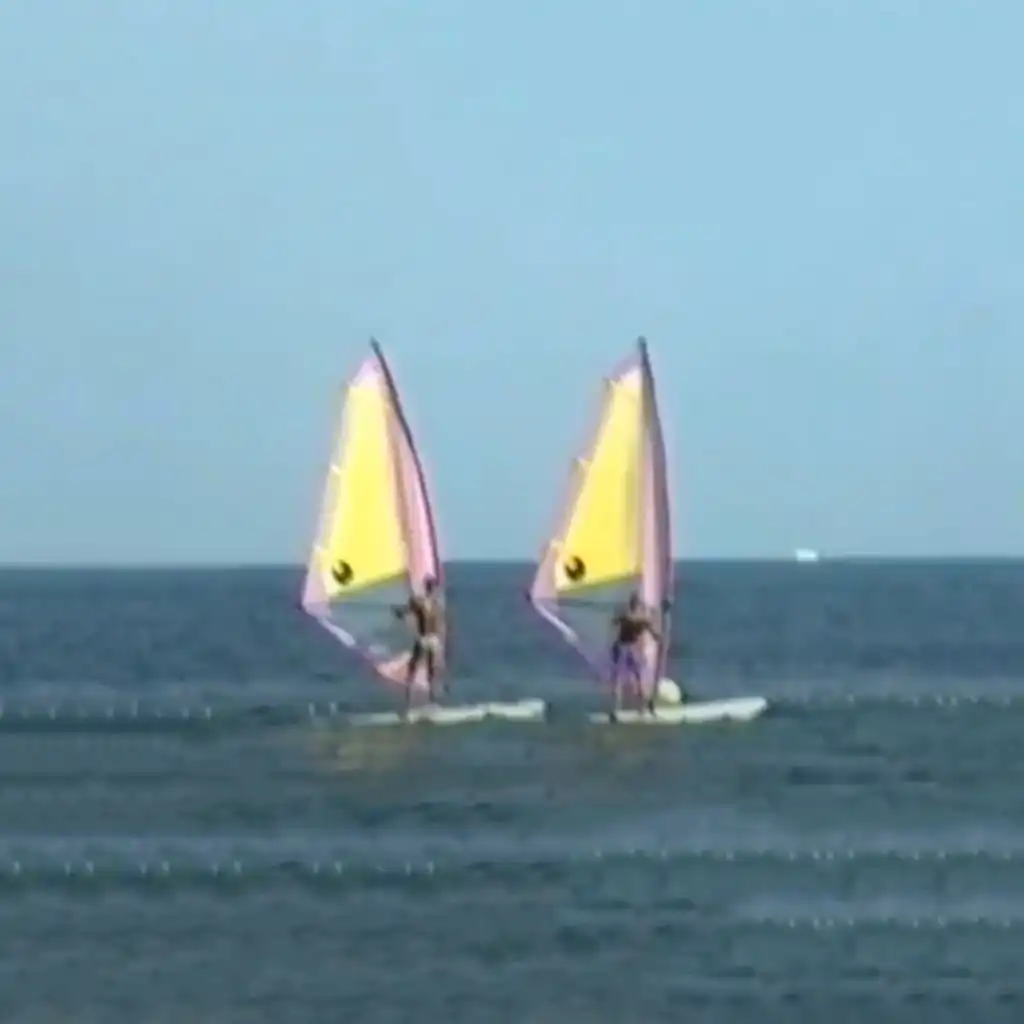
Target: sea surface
column 189, row 833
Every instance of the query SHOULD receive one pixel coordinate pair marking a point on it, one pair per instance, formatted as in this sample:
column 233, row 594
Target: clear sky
column 814, row 210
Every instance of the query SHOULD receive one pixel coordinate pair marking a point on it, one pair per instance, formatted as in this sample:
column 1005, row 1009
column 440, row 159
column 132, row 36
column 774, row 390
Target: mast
column 660, row 520
column 421, row 479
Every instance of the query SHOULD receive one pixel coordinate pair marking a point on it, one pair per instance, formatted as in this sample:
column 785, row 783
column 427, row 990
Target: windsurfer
column 427, row 612
column 630, row 627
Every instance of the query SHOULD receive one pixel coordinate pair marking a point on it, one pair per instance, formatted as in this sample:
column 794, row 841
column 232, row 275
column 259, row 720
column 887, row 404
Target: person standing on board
column 630, row 626
column 427, row 612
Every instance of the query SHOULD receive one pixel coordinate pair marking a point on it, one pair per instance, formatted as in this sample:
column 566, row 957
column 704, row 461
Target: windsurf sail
column 376, row 541
column 613, row 536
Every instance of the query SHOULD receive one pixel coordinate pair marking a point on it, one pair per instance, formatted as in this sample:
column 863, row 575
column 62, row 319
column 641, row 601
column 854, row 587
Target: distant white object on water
column 806, row 555
column 668, row 692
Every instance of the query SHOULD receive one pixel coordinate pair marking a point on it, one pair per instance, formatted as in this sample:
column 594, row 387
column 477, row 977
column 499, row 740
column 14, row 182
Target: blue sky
column 812, row 209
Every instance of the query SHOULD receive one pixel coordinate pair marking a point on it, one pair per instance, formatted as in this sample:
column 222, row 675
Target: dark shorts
column 627, row 660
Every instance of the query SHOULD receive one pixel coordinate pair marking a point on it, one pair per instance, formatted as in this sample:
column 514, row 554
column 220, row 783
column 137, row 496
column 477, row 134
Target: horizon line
column 242, row 566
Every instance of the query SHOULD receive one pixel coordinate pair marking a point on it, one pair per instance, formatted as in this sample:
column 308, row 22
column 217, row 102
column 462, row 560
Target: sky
column 811, row 208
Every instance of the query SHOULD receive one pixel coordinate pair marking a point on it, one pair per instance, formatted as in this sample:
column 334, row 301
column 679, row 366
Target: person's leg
column 431, row 663
column 636, row 672
column 636, row 677
column 652, row 698
column 616, row 678
column 415, row 657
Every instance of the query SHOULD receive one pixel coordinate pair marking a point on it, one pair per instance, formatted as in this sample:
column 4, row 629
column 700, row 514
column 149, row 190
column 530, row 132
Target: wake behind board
column 462, row 714
column 737, row 709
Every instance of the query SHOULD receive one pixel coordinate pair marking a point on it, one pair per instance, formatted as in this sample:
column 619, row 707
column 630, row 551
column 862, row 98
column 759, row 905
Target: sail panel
column 363, row 544
column 601, row 543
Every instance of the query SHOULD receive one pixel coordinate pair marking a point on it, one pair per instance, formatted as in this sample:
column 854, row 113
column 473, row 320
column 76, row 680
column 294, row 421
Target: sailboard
column 376, row 544
column 613, row 538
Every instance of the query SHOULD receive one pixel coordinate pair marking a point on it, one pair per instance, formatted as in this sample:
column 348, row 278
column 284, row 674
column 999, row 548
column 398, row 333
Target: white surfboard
column 439, row 714
column 737, row 709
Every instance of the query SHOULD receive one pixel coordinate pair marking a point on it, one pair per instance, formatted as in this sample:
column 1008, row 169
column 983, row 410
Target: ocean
column 189, row 834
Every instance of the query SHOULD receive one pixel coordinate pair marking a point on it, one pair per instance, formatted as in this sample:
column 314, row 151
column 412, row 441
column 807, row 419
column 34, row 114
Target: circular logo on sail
column 575, row 569
column 342, row 573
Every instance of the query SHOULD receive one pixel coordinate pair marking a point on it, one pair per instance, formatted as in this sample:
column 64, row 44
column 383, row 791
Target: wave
column 70, row 715
column 377, row 855
column 794, row 911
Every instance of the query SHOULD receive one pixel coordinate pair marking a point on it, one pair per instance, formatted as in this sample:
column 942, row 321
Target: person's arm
column 402, row 610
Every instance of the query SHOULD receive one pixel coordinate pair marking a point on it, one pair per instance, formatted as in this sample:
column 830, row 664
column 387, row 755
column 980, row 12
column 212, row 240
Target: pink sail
column 376, row 540
column 613, row 534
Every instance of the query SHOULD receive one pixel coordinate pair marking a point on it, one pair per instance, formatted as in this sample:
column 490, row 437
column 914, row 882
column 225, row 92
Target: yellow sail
column 376, row 543
column 613, row 541
column 361, row 541
column 602, row 543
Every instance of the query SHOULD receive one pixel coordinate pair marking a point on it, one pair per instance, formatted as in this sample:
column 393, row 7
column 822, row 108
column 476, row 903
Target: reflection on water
column 342, row 748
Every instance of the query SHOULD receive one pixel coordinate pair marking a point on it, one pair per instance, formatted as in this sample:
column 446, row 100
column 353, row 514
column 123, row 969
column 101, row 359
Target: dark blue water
column 188, row 833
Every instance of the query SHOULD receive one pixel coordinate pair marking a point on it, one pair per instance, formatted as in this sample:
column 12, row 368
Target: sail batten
column 376, row 540
column 613, row 536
